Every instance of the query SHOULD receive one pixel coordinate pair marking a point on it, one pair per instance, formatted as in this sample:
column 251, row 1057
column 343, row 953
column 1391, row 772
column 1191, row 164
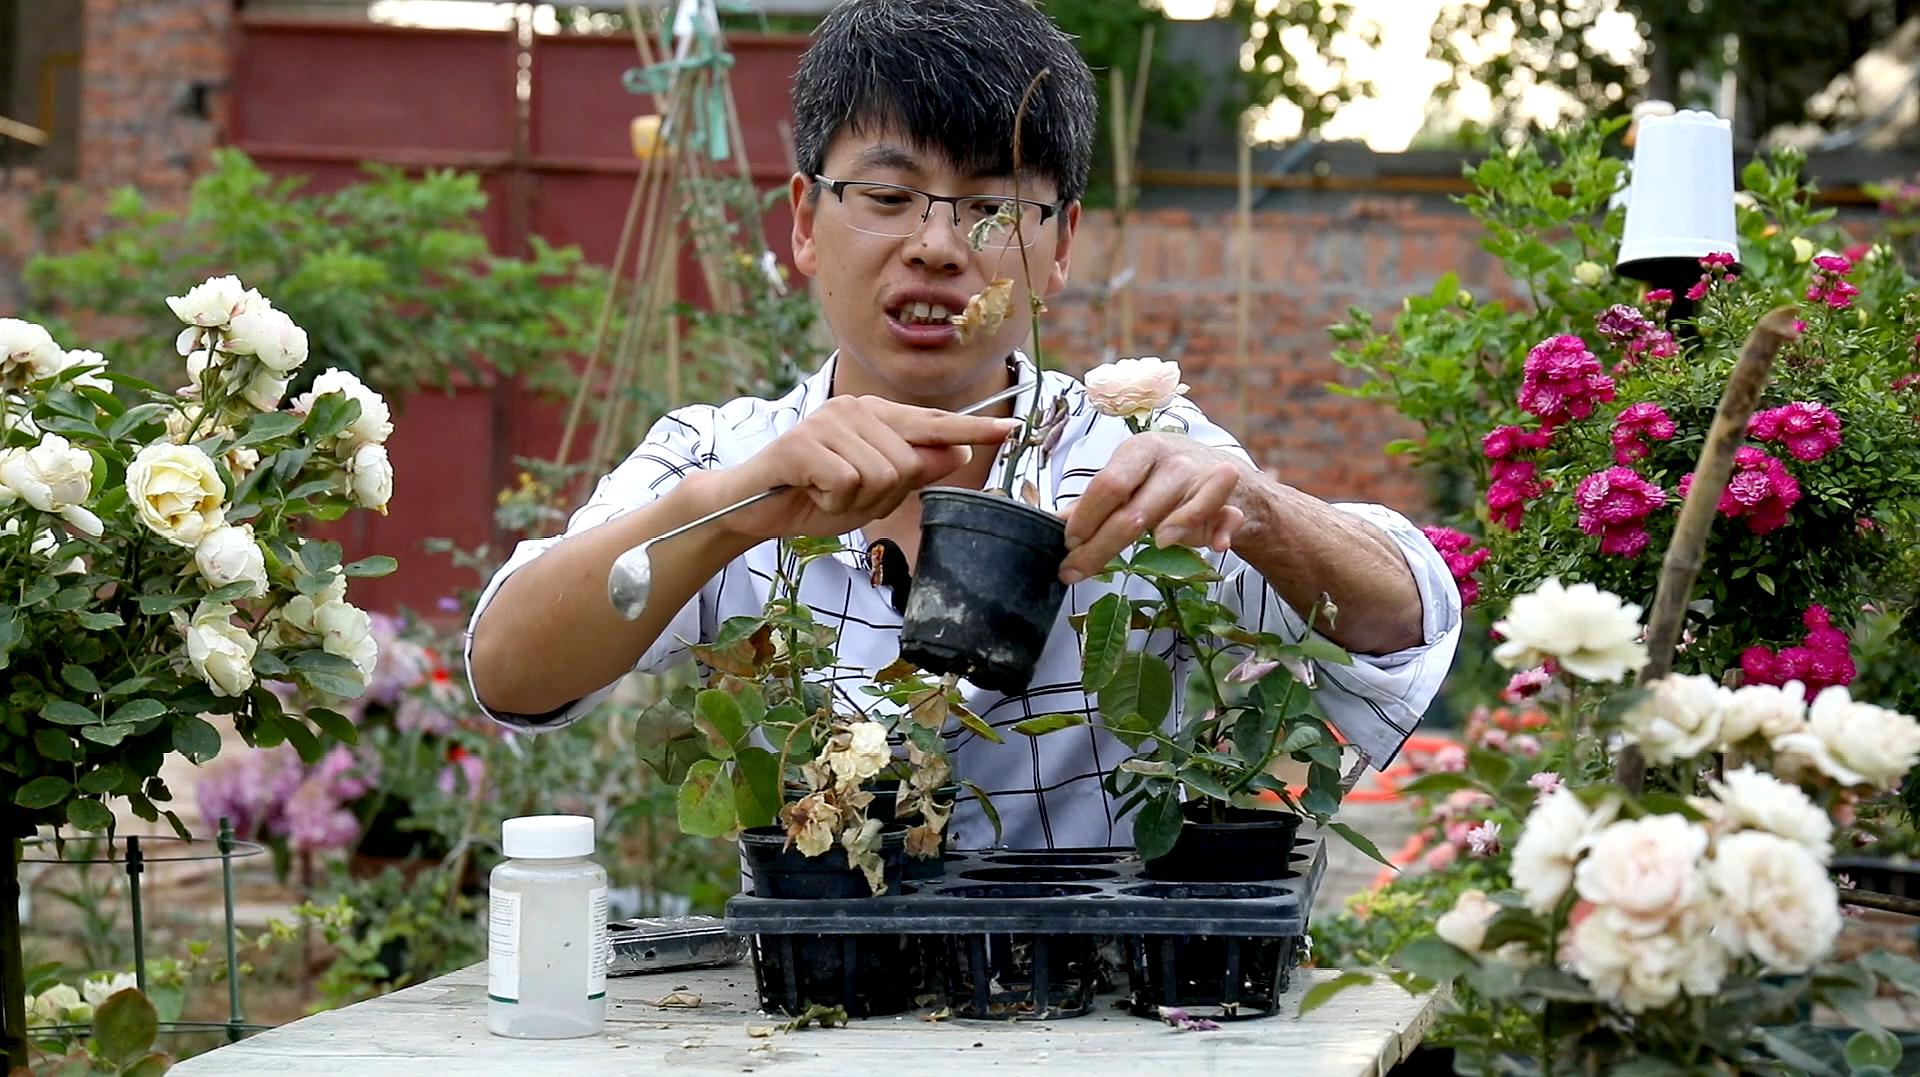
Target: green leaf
column 1157, row 826
column 1805, row 1050
column 1143, row 685
column 153, row 604
column 80, row 677
column 137, row 710
column 105, row 779
column 1324, row 650
column 331, row 414
column 268, row 664
column 1359, row 841
column 756, row 786
column 1048, row 723
column 152, row 1064
column 973, row 722
column 269, row 425
column 312, row 583
column 94, row 622
column 372, row 566
column 43, row 792
column 53, row 744
column 1204, row 782
column 1433, row 959
column 1106, row 640
column 89, row 814
column 124, row 1026
column 128, row 686
column 1322, row 993
column 986, row 808
column 109, row 735
column 339, row 685
column 718, row 715
column 39, row 591
column 1300, row 738
column 195, row 738
column 334, row 724
column 707, row 808
column 1178, row 564
column 1864, row 1049
column 1131, row 730
column 1765, row 581
column 229, row 592
column 319, row 557
column 302, row 739
column 68, row 713
column 135, row 417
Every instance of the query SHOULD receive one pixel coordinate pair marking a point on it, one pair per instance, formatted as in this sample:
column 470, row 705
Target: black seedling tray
column 1064, row 892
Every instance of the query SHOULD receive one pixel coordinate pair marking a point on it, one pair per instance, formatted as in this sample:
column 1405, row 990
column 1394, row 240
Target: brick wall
column 1312, row 261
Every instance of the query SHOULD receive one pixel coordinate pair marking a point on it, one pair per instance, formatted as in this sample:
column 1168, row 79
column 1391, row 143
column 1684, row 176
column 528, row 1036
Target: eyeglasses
column 989, row 221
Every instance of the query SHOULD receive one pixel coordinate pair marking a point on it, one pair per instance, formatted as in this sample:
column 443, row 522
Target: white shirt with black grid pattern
column 1047, row 790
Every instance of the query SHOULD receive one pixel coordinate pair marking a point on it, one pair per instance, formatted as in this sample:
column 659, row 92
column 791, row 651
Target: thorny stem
column 1018, row 448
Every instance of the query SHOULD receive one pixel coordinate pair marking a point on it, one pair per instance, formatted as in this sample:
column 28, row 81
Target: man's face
column 888, row 281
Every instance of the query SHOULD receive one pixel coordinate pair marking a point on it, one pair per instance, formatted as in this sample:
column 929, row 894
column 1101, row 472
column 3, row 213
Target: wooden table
column 439, row 1029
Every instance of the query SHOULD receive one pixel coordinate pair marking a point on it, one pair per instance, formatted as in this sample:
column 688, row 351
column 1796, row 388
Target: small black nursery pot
column 986, row 590
column 780, row 872
column 1249, row 845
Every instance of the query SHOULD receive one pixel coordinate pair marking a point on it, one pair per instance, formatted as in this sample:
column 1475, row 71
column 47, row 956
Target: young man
column 903, row 109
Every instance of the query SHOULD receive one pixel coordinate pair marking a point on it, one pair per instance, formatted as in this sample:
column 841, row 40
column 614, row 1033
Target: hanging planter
column 987, row 589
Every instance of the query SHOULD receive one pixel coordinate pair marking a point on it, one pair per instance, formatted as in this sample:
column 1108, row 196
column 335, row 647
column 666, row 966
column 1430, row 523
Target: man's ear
column 1063, row 249
column 805, row 258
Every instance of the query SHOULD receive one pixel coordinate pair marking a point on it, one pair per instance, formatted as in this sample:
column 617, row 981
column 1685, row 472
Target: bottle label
column 503, row 946
column 600, row 950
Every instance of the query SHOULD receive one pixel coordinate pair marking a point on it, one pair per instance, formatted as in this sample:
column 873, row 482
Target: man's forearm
column 1303, row 547
column 551, row 636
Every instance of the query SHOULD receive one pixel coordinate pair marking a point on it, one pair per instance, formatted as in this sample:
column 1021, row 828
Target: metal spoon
column 631, row 577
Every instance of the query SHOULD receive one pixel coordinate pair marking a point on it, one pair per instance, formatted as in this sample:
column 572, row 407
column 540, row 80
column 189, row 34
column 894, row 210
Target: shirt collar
column 818, row 386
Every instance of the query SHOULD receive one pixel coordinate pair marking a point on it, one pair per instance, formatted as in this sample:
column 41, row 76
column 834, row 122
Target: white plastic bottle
column 547, row 946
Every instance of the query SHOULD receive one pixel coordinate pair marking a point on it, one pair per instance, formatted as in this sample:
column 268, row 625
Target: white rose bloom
column 176, row 492
column 347, row 631
column 91, row 365
column 46, row 544
column 1465, row 925
column 1642, row 972
column 1646, row 871
column 1133, row 388
column 213, row 302
column 241, row 460
column 1762, row 710
column 1777, row 901
column 270, row 336
column 220, row 651
column 1678, row 719
column 375, row 423
column 1589, row 273
column 370, row 474
column 1751, row 799
column 299, row 617
column 53, row 476
column 27, row 351
column 1589, row 632
column 264, row 390
column 98, row 989
column 865, row 754
column 59, row 1005
column 1551, row 841
column 230, row 555
column 1852, row 743
column 1802, row 248
column 199, row 362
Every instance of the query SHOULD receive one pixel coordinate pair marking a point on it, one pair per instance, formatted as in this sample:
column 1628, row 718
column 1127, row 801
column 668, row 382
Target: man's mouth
column 921, row 313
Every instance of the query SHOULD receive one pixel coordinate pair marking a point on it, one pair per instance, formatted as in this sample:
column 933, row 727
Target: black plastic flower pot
column 1022, row 977
column 918, row 868
column 1249, row 845
column 782, row 872
column 986, row 590
column 872, row 975
column 1218, row 977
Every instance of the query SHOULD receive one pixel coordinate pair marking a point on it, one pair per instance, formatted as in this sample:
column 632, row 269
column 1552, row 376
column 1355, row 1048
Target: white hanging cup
column 1680, row 203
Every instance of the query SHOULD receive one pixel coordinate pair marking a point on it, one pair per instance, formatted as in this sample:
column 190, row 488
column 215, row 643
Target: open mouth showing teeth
column 923, row 314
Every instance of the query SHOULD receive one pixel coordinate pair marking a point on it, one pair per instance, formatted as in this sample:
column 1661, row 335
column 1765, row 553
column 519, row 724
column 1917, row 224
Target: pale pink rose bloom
column 1134, row 388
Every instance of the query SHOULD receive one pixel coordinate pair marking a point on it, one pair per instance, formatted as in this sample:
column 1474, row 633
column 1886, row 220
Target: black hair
column 950, row 75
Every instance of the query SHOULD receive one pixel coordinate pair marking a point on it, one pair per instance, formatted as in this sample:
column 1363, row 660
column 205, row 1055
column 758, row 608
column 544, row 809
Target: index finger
column 931, row 426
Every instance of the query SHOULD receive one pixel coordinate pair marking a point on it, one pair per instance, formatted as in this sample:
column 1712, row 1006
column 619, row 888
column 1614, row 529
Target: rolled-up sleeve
column 678, row 444
column 1378, row 701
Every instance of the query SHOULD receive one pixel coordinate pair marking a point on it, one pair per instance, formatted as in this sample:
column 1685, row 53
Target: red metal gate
column 319, row 98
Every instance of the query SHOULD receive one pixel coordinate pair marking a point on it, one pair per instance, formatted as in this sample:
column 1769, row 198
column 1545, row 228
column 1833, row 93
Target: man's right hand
column 853, row 461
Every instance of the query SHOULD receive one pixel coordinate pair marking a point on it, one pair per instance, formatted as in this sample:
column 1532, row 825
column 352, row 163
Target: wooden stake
column 1119, row 313
column 1710, row 475
column 1245, row 268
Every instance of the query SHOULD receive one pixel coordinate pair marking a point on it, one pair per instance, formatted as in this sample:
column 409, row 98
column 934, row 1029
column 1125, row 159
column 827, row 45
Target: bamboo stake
column 1685, row 551
column 1119, row 314
column 1243, row 311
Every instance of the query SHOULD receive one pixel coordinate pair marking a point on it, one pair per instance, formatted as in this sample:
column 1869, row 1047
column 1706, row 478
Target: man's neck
column 850, row 379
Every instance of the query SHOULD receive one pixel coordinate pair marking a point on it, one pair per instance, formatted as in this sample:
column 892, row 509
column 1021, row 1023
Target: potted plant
column 155, row 573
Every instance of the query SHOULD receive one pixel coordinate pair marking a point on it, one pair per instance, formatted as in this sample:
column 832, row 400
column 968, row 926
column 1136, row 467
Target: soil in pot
column 1250, row 845
column 986, row 590
column 1210, row 976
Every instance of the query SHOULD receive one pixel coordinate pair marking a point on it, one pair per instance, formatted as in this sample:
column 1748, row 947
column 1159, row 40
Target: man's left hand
column 1167, row 484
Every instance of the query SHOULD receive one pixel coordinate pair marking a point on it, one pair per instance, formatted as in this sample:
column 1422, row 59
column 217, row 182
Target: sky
column 1403, row 78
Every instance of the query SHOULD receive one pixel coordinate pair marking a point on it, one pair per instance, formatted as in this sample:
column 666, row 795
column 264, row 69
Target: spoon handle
column 996, row 398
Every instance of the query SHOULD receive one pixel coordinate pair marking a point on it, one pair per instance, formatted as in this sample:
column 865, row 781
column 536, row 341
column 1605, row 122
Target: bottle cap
column 547, row 837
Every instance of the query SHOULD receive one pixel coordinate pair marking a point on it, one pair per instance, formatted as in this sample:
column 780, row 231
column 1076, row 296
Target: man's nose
column 938, row 242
